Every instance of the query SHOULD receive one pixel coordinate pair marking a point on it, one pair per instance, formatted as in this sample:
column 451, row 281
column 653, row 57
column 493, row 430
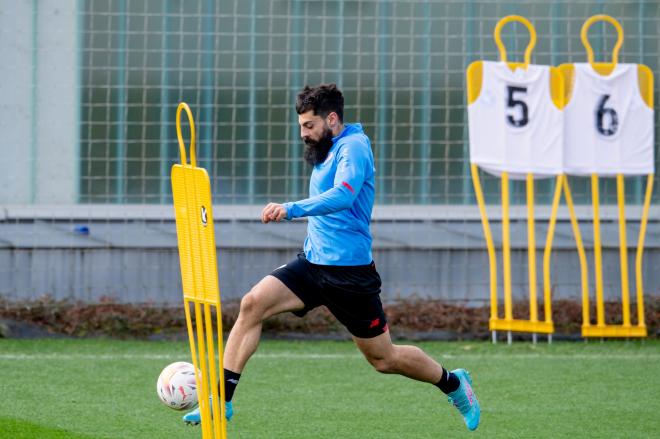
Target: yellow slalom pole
column 197, row 256
column 492, row 261
column 584, row 273
column 598, row 262
column 531, row 250
column 218, row 316
column 547, row 286
column 506, row 248
column 623, row 250
column 640, row 251
column 215, row 398
column 182, row 148
column 203, row 390
column 191, row 340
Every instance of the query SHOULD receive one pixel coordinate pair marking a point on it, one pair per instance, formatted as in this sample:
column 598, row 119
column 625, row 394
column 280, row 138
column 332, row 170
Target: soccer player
column 336, row 268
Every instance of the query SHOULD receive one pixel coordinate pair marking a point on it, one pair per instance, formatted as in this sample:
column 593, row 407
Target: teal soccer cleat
column 194, row 417
column 465, row 400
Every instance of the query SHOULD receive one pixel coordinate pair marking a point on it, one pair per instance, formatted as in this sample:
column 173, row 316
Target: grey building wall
column 136, row 259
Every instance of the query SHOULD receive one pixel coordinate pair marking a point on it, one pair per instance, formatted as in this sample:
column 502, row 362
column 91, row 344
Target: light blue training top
column 341, row 199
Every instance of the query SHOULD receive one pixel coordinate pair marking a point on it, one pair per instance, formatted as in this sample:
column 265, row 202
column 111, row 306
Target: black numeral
column 512, row 103
column 606, row 114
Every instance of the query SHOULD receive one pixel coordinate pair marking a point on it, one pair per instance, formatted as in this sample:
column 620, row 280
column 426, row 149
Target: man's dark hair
column 323, row 100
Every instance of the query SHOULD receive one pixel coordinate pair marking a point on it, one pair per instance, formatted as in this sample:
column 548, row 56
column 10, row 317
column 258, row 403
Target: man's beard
column 317, row 151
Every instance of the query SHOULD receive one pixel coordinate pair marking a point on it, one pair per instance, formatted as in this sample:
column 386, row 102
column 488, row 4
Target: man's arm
column 350, row 175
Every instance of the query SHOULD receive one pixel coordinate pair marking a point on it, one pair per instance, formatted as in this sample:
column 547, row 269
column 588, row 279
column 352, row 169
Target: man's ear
column 333, row 120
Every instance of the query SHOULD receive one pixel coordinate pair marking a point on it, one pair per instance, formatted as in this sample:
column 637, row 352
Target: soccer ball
column 176, row 386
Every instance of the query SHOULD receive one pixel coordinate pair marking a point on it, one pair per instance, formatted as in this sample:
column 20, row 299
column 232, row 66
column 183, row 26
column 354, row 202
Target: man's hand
column 273, row 212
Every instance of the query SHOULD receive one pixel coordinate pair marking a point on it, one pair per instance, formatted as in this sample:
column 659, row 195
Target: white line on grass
column 310, row 356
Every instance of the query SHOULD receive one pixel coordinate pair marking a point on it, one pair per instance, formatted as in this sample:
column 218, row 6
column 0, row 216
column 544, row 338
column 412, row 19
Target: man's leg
column 412, row 362
column 408, row 361
column 269, row 297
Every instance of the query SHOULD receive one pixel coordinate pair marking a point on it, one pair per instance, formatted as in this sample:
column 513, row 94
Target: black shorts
column 351, row 293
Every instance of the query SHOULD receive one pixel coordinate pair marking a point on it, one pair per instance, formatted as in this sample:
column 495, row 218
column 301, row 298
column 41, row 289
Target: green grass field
column 106, row 389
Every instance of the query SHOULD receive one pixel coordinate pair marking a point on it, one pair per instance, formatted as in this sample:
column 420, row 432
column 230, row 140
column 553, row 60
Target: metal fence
column 126, row 64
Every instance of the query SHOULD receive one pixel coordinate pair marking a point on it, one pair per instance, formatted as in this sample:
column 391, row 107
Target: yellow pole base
column 521, row 326
column 613, row 331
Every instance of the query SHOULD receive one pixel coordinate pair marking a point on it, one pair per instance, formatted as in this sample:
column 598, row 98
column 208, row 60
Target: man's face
column 317, row 136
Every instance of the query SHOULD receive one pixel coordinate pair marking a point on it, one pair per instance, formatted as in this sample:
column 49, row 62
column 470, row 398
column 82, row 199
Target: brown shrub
column 109, row 318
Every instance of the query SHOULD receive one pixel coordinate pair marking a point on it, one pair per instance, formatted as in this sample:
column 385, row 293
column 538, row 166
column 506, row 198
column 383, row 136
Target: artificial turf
column 99, row 388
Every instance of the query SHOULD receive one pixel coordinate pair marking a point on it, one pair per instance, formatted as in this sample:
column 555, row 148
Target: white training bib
column 608, row 127
column 514, row 125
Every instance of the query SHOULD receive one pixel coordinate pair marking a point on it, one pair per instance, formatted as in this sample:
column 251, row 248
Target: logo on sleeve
column 348, row 186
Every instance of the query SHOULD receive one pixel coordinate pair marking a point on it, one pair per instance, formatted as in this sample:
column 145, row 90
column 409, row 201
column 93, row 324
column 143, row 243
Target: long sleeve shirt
column 341, row 199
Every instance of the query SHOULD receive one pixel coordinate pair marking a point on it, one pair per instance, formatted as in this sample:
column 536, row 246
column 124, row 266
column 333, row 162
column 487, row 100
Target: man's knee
column 250, row 306
column 383, row 364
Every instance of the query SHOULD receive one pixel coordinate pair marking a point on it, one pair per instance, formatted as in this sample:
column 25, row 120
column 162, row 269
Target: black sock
column 231, row 381
column 449, row 382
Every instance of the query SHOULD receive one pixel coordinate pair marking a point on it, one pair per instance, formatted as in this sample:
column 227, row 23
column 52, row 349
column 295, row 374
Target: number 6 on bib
column 608, row 118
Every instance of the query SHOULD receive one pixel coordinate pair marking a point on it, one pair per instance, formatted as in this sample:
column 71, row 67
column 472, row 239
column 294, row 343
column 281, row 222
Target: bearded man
column 335, row 268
